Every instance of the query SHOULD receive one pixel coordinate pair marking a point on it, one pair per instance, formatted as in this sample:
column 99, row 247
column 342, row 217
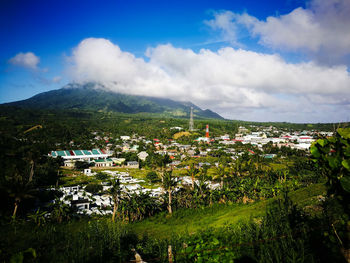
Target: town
column 202, row 152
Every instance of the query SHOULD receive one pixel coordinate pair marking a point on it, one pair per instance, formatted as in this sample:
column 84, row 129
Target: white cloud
column 237, row 83
column 223, row 22
column 27, row 60
column 321, row 30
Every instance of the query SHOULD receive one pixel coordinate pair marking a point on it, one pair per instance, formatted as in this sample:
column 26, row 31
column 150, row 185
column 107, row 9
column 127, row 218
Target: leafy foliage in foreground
column 333, row 156
column 284, row 234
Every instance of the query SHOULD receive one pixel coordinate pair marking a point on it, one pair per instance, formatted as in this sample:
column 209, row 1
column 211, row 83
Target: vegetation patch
column 180, row 134
column 219, row 215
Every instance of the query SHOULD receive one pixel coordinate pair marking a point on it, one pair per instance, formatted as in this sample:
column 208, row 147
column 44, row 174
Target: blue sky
column 47, row 44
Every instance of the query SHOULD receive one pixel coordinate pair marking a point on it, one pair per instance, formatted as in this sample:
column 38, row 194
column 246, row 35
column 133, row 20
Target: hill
column 96, row 97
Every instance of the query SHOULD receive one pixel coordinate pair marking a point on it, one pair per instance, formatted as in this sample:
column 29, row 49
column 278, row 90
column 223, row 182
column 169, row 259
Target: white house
column 103, row 163
column 142, row 155
column 132, row 164
column 87, row 172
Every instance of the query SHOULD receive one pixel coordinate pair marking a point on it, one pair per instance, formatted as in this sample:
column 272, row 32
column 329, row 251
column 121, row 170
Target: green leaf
column 346, row 164
column 347, row 151
column 333, row 162
column 314, row 151
column 332, row 140
column 188, row 249
column 344, row 132
column 345, row 183
column 215, row 242
column 322, row 142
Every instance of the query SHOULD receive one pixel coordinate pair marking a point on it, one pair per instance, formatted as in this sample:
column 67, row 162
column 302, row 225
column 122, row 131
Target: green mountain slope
column 95, row 97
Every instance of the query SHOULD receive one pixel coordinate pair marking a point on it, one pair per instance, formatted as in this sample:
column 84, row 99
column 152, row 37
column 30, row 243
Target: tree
column 153, row 177
column 202, row 179
column 60, row 211
column 19, row 188
column 169, row 184
column 93, row 188
column 101, row 176
column 192, row 172
column 80, row 165
column 163, row 161
column 333, row 156
column 38, row 217
column 115, row 192
column 220, row 174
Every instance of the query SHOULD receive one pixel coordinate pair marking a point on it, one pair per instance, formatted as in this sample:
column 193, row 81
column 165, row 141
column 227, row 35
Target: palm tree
column 168, row 184
column 60, row 211
column 202, row 179
column 192, row 172
column 19, row 189
column 220, row 174
column 115, row 192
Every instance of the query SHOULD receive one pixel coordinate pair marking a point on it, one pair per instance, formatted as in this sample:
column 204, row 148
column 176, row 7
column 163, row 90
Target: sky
column 247, row 60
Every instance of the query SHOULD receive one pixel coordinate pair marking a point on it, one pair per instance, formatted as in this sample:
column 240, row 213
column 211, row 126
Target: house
column 118, row 161
column 224, row 137
column 134, row 148
column 191, row 152
column 87, row 172
column 175, row 163
column 204, row 164
column 202, row 139
column 69, row 163
column 103, row 162
column 126, row 148
column 203, row 153
column 305, row 139
column 81, row 204
column 269, row 156
column 132, row 164
column 142, row 155
column 242, row 129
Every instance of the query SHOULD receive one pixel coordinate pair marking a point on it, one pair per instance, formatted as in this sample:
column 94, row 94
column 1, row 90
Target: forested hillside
column 95, row 97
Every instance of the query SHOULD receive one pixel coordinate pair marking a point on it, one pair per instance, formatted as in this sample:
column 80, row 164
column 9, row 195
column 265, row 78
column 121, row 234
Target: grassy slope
column 193, row 220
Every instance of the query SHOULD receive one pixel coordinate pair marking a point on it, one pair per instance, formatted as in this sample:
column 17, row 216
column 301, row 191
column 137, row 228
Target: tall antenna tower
column 191, row 119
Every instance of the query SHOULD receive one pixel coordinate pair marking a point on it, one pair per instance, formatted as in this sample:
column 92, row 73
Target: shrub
column 153, row 177
column 101, row 176
column 93, row 188
column 79, row 165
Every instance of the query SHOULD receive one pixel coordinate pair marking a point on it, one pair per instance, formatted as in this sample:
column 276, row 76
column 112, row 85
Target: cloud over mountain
column 320, row 30
column 235, row 83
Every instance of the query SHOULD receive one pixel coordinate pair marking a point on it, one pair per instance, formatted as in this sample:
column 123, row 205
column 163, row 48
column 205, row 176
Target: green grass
column 76, row 180
column 278, row 166
column 193, row 220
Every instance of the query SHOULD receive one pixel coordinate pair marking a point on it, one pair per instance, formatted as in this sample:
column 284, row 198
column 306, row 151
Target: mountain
column 95, row 97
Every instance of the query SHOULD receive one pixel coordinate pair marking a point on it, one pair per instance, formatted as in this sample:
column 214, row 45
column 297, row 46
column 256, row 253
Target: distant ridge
column 95, row 97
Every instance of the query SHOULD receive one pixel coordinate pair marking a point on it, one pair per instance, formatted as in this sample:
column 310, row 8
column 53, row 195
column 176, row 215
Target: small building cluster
column 102, row 203
column 98, row 156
